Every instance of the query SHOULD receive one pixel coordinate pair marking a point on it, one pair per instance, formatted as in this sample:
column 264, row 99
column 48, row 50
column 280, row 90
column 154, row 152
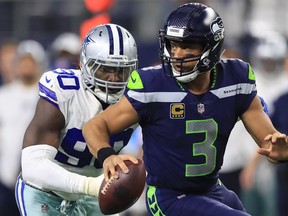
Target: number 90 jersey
column 185, row 135
column 64, row 89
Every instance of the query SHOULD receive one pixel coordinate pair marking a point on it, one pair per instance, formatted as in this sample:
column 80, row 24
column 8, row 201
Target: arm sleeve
column 40, row 170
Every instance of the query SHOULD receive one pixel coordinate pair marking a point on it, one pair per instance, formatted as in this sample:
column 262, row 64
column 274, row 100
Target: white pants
column 35, row 202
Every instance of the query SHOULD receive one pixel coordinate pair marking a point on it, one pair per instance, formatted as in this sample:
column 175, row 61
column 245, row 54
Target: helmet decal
column 116, row 40
column 135, row 81
column 173, row 31
column 217, row 28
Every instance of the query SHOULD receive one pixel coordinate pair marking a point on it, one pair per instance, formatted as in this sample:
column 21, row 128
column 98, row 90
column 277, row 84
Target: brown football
column 118, row 194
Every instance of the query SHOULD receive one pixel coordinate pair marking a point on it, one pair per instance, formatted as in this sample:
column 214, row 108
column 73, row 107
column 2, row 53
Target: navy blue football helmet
column 193, row 22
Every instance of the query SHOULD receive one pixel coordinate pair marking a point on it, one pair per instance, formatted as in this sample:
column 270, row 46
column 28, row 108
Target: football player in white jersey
column 59, row 175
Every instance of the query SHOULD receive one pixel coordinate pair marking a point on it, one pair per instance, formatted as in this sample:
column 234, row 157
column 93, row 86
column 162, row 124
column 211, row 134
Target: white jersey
column 64, row 89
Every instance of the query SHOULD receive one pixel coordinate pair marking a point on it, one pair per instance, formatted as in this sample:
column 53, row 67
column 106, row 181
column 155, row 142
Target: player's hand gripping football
column 110, row 163
column 276, row 149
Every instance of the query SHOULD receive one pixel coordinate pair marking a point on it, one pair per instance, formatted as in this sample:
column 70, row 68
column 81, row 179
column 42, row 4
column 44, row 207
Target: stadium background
column 44, row 20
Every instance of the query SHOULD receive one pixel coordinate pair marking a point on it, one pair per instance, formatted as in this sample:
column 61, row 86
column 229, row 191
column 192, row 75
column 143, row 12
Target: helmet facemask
column 108, row 81
column 108, row 57
column 182, row 73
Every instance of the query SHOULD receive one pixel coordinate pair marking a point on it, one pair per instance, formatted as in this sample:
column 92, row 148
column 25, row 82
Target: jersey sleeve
column 247, row 85
column 140, row 90
column 58, row 85
column 135, row 92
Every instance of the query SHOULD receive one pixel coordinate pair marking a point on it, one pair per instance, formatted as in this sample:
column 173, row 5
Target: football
column 118, row 194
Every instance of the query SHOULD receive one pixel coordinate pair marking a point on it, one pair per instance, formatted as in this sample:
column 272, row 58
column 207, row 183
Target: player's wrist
column 92, row 185
column 104, row 153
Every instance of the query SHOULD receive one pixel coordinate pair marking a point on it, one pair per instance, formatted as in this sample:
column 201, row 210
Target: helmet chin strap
column 107, row 98
column 188, row 76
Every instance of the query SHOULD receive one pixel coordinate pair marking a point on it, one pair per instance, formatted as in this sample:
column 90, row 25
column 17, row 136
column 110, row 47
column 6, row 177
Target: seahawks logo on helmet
column 217, row 28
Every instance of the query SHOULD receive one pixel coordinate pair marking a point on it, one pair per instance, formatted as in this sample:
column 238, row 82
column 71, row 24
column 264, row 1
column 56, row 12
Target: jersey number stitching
column 205, row 148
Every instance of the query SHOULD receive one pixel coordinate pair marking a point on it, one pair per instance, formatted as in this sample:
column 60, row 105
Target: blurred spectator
column 279, row 118
column 272, row 80
column 65, row 51
column 258, row 178
column 18, row 100
column 7, row 55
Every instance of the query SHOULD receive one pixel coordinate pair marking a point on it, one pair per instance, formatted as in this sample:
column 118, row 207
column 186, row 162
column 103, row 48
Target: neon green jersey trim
column 251, row 73
column 135, row 81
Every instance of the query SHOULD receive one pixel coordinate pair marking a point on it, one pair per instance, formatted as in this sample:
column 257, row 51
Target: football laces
column 110, row 181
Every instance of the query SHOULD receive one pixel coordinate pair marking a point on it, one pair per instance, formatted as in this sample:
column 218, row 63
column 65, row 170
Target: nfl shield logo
column 44, row 208
column 200, row 108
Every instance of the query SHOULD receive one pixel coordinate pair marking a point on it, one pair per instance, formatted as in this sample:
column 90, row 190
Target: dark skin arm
column 114, row 119
column 45, row 126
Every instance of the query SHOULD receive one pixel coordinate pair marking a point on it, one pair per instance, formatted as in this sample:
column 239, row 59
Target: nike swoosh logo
column 47, row 80
column 133, row 79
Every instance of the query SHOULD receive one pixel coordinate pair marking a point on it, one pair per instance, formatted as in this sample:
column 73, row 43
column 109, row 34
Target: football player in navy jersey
column 187, row 108
column 59, row 174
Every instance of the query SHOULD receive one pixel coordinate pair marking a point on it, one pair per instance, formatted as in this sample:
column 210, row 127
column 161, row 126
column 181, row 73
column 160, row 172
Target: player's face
column 113, row 75
column 190, row 51
column 27, row 69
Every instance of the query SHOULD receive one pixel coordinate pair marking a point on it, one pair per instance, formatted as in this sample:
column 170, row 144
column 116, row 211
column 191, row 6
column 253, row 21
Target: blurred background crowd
column 37, row 36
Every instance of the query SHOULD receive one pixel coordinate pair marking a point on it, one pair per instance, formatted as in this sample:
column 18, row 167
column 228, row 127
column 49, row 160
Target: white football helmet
column 107, row 49
column 269, row 53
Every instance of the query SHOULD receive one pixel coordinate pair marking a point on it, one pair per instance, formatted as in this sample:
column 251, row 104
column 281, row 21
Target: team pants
column 218, row 202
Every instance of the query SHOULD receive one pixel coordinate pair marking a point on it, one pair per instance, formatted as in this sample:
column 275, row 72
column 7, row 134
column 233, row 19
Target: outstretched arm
column 97, row 131
column 40, row 144
column 272, row 143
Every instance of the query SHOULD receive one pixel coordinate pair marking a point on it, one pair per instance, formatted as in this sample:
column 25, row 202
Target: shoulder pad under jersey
column 59, row 85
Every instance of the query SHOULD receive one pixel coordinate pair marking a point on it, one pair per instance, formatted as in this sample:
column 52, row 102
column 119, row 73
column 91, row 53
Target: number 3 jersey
column 185, row 135
column 65, row 90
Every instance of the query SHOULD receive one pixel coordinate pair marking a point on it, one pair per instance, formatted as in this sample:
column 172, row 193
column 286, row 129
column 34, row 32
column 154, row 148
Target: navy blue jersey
column 280, row 115
column 185, row 135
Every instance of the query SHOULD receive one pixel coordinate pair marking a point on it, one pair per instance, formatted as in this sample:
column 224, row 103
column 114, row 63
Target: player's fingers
column 129, row 157
column 121, row 163
column 106, row 174
column 109, row 167
column 277, row 136
column 282, row 136
column 268, row 137
column 109, row 172
column 263, row 151
column 123, row 166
